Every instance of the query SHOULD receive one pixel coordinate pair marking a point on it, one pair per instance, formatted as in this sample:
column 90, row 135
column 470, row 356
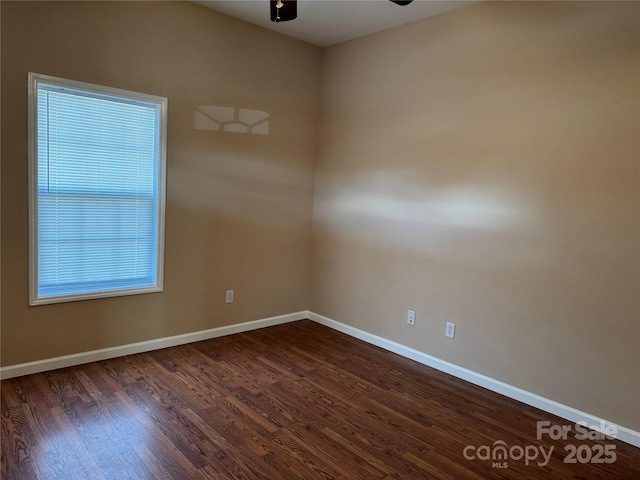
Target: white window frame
column 34, row 80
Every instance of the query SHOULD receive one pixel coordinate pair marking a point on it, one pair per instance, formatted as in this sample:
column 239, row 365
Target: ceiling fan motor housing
column 288, row 10
column 285, row 10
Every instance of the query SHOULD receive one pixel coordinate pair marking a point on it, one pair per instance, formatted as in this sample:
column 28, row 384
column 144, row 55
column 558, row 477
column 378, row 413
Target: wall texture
column 482, row 167
column 238, row 205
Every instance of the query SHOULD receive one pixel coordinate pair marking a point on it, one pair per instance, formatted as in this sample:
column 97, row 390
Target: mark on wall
column 228, row 119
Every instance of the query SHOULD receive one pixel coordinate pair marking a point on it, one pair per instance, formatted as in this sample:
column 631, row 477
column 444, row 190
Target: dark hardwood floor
column 287, row 402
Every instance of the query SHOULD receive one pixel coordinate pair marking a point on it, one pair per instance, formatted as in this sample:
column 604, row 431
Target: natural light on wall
column 231, row 120
column 97, row 162
column 471, row 224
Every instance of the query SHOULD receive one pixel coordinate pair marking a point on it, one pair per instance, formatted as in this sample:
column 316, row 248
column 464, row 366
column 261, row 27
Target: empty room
column 363, row 239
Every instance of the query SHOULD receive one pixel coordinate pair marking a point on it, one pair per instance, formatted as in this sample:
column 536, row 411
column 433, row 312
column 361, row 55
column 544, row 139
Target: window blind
column 97, row 191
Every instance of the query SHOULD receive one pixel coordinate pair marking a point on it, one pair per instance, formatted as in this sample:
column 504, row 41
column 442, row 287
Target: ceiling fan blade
column 402, row 2
column 288, row 10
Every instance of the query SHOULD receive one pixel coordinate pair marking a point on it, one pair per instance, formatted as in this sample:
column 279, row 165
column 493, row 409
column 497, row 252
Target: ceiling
column 327, row 22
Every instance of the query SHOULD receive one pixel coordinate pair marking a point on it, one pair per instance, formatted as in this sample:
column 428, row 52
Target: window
column 97, row 187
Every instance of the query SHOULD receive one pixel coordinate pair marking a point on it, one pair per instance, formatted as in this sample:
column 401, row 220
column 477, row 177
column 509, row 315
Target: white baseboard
column 140, row 347
column 624, row 434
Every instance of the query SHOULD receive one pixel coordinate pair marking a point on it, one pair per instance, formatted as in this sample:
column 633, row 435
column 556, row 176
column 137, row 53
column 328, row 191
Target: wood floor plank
column 294, row 401
column 17, row 455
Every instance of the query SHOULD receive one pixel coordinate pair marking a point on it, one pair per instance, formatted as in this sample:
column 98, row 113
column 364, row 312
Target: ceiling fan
column 285, row 10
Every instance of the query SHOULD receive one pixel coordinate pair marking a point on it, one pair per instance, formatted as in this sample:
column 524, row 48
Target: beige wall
column 238, row 206
column 482, row 167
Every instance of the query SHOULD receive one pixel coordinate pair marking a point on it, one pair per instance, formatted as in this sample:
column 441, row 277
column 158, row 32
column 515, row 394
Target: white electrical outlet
column 450, row 330
column 229, row 296
column 411, row 317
